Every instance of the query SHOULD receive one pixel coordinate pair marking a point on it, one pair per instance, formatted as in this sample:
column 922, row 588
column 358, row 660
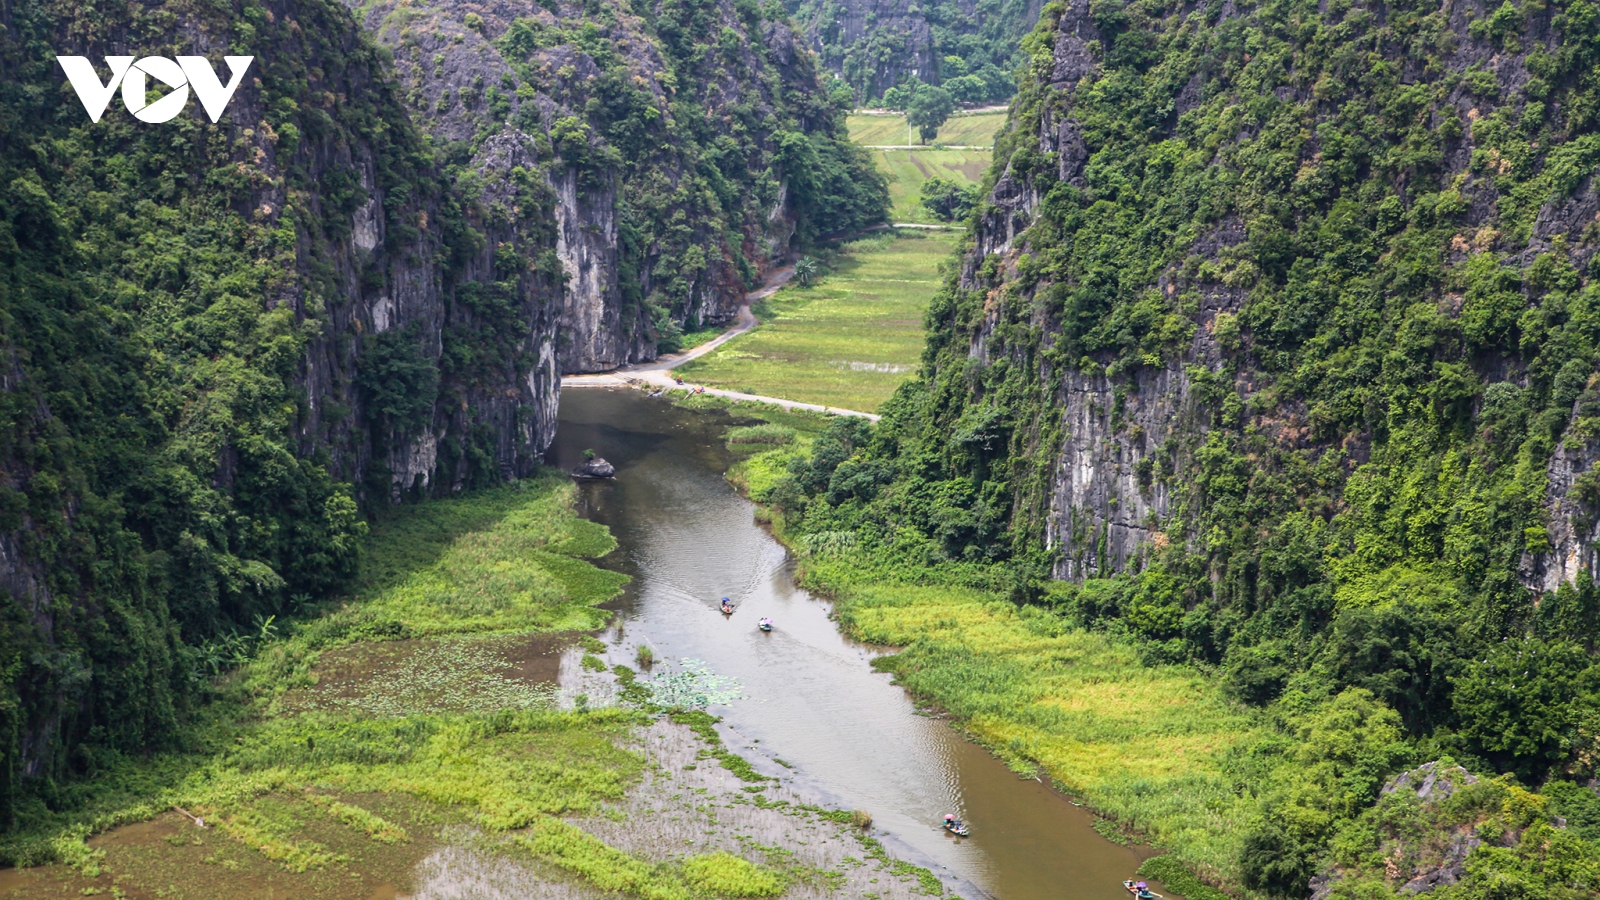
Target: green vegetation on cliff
column 154, row 493
column 873, row 47
column 691, row 143
column 224, row 344
column 1277, row 337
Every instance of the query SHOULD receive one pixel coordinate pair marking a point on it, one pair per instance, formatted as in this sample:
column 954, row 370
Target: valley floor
column 849, row 339
column 961, row 153
column 414, row 743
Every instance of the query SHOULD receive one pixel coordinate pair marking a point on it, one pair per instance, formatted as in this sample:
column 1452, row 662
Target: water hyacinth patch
column 693, row 686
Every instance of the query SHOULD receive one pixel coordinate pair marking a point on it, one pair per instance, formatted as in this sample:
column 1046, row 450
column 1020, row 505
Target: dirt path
column 926, row 147
column 655, row 373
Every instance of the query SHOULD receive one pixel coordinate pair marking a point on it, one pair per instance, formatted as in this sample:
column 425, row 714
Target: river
column 810, row 696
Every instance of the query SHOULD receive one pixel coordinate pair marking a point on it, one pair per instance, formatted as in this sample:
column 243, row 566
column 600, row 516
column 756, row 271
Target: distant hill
column 971, row 46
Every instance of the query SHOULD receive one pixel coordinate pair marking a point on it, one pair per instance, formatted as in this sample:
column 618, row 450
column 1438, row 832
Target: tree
column 948, row 200
column 929, row 108
column 967, row 88
column 1521, row 704
column 899, row 96
column 805, row 270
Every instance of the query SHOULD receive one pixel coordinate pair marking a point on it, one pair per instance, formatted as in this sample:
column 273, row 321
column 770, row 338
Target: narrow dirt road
column 656, row 372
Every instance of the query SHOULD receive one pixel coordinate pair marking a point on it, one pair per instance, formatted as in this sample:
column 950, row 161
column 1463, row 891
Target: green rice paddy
column 850, row 339
column 967, row 130
column 906, row 170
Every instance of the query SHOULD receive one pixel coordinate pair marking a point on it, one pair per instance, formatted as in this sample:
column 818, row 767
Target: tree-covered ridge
column 968, row 46
column 701, row 146
column 1277, row 338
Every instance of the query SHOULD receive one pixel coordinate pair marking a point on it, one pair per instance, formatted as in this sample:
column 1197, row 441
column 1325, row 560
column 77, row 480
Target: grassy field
column 972, row 130
column 331, row 800
column 906, row 170
column 849, row 339
column 412, row 735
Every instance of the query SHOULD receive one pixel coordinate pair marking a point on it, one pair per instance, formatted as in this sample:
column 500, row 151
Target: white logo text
column 181, row 74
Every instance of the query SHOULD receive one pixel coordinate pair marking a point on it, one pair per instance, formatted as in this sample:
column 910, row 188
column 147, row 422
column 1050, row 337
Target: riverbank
column 1153, row 748
column 1321, row 787
column 414, row 741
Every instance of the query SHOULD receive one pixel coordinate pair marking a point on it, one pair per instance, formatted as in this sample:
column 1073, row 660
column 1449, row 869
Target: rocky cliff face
column 897, row 29
column 670, row 182
column 873, row 45
column 218, row 341
column 214, row 331
column 1138, row 395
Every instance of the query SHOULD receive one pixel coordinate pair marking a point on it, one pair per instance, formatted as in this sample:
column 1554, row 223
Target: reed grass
column 1147, row 745
column 765, row 433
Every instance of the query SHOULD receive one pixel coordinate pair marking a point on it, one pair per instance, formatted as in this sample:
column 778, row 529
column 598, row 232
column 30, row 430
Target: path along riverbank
column 656, row 373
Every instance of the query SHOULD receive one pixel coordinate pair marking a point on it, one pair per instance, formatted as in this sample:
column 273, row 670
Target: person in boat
column 765, row 622
column 726, row 606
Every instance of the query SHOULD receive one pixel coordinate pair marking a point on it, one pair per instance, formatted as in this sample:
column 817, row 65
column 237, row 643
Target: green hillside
column 1280, row 361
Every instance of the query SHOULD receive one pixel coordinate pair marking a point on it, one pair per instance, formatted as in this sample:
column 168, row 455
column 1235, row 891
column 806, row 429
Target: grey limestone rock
column 595, row 468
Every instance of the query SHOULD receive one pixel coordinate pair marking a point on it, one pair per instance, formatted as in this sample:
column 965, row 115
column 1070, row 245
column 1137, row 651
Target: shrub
column 948, row 200
column 765, row 433
column 730, row 876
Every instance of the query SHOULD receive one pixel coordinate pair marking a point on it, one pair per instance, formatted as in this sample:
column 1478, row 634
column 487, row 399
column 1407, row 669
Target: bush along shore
column 413, row 735
column 1165, row 749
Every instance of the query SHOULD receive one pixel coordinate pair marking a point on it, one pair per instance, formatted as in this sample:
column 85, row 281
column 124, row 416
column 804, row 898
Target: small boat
column 1141, row 890
column 765, row 625
column 727, row 607
column 956, row 827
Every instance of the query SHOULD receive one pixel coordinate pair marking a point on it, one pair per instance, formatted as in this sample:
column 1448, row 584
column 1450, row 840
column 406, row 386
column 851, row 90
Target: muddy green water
column 811, row 698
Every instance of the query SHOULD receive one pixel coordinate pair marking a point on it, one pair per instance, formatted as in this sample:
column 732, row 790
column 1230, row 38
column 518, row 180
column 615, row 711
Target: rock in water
column 595, row 468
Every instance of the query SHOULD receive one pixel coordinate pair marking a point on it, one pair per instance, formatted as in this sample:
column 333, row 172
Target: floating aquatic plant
column 693, row 686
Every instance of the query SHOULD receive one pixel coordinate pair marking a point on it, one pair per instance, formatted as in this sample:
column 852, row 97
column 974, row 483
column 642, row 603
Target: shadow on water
column 811, row 699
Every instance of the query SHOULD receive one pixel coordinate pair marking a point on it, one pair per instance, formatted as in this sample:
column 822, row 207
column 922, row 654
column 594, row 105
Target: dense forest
column 226, row 344
column 970, row 47
column 1273, row 352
